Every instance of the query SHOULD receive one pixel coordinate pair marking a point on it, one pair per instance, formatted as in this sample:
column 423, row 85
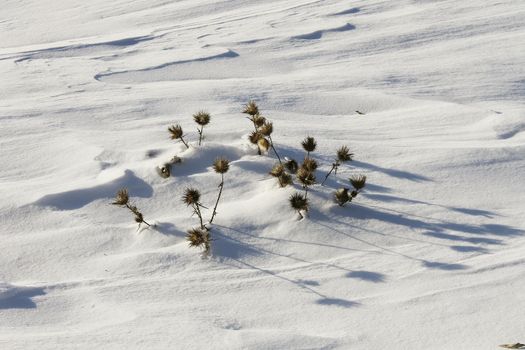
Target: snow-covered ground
column 430, row 256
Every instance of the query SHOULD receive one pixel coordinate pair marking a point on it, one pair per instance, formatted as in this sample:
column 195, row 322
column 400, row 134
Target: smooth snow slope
column 430, row 256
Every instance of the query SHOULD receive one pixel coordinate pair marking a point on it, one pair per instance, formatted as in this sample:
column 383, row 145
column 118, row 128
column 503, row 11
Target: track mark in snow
column 318, row 34
column 142, row 74
column 79, row 49
column 78, row 198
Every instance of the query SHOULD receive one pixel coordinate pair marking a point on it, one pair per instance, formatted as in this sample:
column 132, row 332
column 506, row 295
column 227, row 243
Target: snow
column 430, row 255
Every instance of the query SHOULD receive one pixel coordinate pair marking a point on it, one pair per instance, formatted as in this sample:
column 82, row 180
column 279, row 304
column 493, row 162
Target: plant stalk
column 221, row 186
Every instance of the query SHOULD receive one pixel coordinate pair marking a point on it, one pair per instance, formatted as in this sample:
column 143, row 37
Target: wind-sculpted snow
column 427, row 95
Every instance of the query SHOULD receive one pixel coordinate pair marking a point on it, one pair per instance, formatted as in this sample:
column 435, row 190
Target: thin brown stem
column 221, row 185
column 255, row 127
column 200, row 133
column 274, row 150
column 184, row 142
column 199, row 214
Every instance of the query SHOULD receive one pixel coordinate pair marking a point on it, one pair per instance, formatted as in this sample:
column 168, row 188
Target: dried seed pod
column 358, row 182
column 266, row 129
column 191, row 196
column 165, row 170
column 341, row 196
column 176, row 131
column 299, row 201
column 198, row 237
column 202, row 118
column 251, row 108
column 310, row 164
column 277, row 170
column 291, row 166
column 255, row 137
column 285, row 179
column 258, row 120
column 264, row 144
column 221, row 165
column 344, row 155
column 309, row 144
column 122, row 197
column 305, row 177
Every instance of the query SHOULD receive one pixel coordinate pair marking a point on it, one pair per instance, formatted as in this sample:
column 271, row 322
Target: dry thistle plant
column 252, row 110
column 266, row 129
column 309, row 144
column 291, row 165
column 342, row 196
column 279, row 173
column 177, row 134
column 299, row 203
column 263, row 144
column 343, row 155
column 198, row 237
column 192, row 197
column 306, row 178
column 221, row 166
column 122, row 200
column 202, row 118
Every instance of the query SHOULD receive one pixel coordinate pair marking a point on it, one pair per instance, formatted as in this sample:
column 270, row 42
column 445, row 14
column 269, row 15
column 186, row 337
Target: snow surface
column 430, row 256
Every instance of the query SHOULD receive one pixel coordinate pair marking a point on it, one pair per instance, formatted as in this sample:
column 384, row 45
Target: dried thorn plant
column 122, row 200
column 252, row 110
column 221, row 166
column 309, row 144
column 299, row 203
column 279, row 173
column 177, row 134
column 291, row 165
column 266, row 129
column 342, row 195
column 192, row 197
column 198, row 237
column 343, row 155
column 306, row 178
column 202, row 118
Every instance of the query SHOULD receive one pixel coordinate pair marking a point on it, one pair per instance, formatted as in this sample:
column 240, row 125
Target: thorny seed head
column 221, row 165
column 258, row 120
column 122, row 197
column 298, row 201
column 202, row 118
column 285, row 179
column 344, row 155
column 191, row 196
column 309, row 144
column 291, row 166
column 264, row 144
column 139, row 217
column 255, row 137
column 358, row 181
column 176, row 131
column 309, row 164
column 198, row 237
column 277, row 170
column 305, row 177
column 341, row 196
column 266, row 129
column 251, row 108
